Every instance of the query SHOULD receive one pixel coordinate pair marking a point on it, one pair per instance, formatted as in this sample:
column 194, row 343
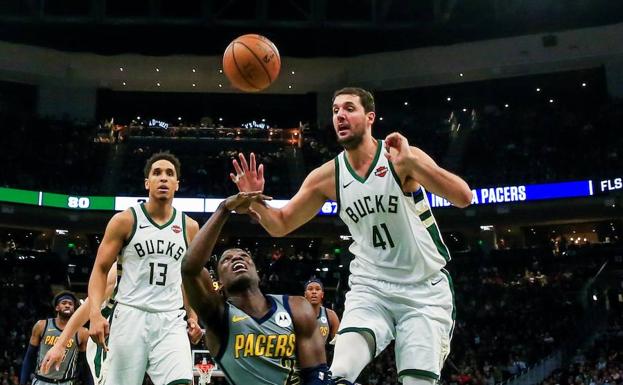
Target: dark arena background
column 521, row 98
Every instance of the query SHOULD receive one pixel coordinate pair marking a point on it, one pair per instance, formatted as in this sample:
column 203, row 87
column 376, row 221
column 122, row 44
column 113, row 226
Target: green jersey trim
column 159, row 227
column 184, row 230
column 433, row 230
column 372, row 165
column 134, row 225
column 337, row 183
column 361, row 331
column 180, row 381
column 418, row 373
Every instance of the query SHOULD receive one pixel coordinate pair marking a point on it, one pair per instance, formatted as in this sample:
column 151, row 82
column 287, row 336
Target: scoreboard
column 481, row 196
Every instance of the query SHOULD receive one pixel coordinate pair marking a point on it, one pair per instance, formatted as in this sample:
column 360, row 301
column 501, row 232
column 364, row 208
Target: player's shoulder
column 325, row 171
column 39, row 326
column 191, row 224
column 121, row 223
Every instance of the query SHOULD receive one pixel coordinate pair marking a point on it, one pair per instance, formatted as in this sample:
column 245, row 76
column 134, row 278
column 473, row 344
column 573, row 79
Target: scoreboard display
column 481, row 196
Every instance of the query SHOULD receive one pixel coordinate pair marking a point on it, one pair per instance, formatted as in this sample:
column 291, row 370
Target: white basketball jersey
column 150, row 264
column 395, row 236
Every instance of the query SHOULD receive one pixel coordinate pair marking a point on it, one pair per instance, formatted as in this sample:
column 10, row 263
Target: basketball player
column 94, row 354
column 255, row 338
column 44, row 335
column 147, row 329
column 327, row 319
column 399, row 290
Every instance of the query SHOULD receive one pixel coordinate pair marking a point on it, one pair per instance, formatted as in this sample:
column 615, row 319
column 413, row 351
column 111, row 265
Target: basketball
column 251, row 63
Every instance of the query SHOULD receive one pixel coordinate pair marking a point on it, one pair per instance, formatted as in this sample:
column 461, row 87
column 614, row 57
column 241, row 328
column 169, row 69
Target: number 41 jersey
column 395, row 236
column 149, row 265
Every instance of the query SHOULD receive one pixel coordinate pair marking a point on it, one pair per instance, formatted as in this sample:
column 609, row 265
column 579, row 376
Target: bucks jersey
column 67, row 369
column 395, row 236
column 150, row 264
column 260, row 351
column 323, row 323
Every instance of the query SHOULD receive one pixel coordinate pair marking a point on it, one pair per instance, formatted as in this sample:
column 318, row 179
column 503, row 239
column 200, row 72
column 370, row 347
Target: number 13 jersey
column 149, row 266
column 395, row 236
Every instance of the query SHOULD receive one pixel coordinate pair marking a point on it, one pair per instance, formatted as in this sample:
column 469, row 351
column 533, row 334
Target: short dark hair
column 162, row 155
column 367, row 100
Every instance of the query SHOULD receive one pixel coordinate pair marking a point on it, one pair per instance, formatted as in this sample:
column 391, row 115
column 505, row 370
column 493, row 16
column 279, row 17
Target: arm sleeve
column 29, row 364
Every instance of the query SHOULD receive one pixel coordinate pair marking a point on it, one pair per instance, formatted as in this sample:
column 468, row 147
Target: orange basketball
column 251, row 62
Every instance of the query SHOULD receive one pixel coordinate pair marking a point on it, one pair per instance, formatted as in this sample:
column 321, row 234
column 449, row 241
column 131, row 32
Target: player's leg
column 424, row 322
column 365, row 331
column 127, row 348
column 170, row 358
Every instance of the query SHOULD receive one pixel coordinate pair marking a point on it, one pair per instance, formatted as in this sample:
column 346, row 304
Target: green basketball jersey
column 67, row 369
column 260, row 351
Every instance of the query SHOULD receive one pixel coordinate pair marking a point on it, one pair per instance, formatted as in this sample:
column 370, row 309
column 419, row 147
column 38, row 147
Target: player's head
column 236, row 271
column 314, row 291
column 65, row 304
column 353, row 114
column 162, row 173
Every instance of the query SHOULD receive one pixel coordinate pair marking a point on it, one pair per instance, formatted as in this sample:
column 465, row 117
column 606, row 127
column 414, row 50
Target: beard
column 64, row 315
column 350, row 142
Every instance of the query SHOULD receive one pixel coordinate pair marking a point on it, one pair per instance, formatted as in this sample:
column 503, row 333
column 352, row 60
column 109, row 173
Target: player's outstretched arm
column 314, row 191
column 416, row 166
column 197, row 282
column 119, row 229
column 310, row 350
column 31, row 352
column 55, row 355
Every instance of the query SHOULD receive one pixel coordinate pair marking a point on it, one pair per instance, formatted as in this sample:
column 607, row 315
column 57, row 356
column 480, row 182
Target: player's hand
column 398, row 150
column 194, row 331
column 248, row 177
column 98, row 330
column 54, row 356
column 241, row 203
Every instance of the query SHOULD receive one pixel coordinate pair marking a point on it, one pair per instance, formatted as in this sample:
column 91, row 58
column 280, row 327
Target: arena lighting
column 194, row 70
column 538, row 90
column 292, row 73
column 290, row 86
column 194, row 85
column 157, row 69
column 449, row 99
column 158, row 84
column 220, row 86
column 121, row 69
column 506, row 106
column 464, row 109
column 583, row 84
column 220, row 71
column 551, row 100
column 406, row 103
column 380, row 118
column 461, row 74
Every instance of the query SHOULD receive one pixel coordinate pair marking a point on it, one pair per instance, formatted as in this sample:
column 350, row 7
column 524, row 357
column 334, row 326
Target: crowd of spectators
column 514, row 307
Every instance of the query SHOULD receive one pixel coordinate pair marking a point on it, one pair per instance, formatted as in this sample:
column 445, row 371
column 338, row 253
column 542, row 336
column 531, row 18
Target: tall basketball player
column 399, row 289
column 147, row 328
column 256, row 338
column 328, row 321
column 44, row 335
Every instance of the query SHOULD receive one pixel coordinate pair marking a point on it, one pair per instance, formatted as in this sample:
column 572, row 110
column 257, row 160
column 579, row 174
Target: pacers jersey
column 395, row 236
column 149, row 266
column 260, row 351
column 67, row 369
column 323, row 323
